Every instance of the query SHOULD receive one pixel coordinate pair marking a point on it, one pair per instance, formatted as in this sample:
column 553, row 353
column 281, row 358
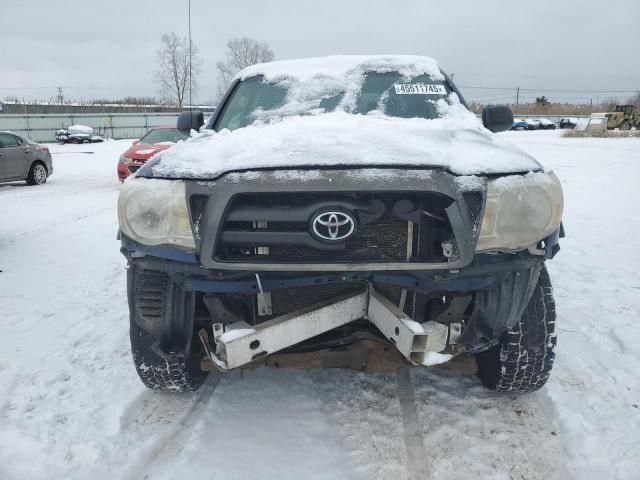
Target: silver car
column 22, row 159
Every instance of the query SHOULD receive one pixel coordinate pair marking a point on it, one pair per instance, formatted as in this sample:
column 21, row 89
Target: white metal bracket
column 236, row 349
column 241, row 343
column 411, row 338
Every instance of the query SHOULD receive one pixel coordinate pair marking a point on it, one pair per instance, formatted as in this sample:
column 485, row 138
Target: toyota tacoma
column 347, row 211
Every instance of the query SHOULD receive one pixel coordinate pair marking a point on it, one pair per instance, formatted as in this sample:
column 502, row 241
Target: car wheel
column 523, row 359
column 37, row 174
column 159, row 325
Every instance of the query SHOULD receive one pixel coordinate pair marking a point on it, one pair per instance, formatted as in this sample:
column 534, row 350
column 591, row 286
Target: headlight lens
column 520, row 211
column 124, row 159
column 154, row 212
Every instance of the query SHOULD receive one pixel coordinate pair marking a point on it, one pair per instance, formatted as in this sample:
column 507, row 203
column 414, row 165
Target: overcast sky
column 107, row 48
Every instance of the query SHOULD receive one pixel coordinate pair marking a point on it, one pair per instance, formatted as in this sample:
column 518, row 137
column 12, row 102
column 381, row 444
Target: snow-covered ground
column 71, row 405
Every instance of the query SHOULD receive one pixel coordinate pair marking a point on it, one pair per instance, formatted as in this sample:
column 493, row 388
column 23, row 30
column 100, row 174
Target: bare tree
column 240, row 53
column 173, row 75
column 542, row 101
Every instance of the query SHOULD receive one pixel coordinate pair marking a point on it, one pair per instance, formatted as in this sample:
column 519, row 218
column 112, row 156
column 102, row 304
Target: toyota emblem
column 333, row 226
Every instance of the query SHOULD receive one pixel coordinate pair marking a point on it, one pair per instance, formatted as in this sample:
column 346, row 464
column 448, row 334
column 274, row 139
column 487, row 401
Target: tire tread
column 523, row 360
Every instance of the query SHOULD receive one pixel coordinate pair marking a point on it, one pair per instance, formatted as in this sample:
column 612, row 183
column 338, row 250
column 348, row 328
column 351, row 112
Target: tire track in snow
column 170, row 432
column 413, row 439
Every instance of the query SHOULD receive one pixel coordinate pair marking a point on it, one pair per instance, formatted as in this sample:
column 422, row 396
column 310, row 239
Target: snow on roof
column 341, row 65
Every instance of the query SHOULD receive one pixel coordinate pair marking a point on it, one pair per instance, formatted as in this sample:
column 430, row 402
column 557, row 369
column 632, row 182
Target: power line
column 549, row 76
column 550, row 90
column 69, row 87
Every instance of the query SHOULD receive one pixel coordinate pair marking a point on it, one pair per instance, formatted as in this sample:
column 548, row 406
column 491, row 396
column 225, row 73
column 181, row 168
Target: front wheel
column 172, row 372
column 523, row 359
column 37, row 174
column 165, row 352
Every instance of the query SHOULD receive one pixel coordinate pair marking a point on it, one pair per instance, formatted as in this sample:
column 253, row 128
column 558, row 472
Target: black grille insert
column 275, row 228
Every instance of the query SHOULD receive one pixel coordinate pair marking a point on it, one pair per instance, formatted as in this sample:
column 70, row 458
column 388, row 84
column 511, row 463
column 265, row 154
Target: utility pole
column 517, row 95
column 190, row 101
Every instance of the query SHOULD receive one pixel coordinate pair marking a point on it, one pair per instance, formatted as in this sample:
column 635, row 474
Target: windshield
column 388, row 93
column 160, row 135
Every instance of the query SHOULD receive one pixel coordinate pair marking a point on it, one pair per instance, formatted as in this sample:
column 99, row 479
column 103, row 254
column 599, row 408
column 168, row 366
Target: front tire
column 523, row 359
column 165, row 352
column 37, row 174
column 173, row 372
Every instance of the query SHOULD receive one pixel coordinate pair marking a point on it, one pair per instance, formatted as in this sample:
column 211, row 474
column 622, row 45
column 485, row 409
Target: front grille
column 391, row 227
column 384, row 241
column 133, row 168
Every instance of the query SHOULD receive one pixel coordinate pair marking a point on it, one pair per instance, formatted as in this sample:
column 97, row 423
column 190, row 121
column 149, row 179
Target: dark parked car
column 568, row 122
column 22, row 159
column 77, row 134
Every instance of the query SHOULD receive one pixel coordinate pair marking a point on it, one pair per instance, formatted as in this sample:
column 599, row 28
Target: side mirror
column 188, row 121
column 497, row 118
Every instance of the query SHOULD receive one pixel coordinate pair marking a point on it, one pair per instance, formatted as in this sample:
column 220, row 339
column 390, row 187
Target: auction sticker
column 419, row 89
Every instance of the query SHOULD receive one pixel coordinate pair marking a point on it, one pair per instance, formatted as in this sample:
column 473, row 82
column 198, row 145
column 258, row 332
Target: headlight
column 520, row 211
column 154, row 212
column 124, row 159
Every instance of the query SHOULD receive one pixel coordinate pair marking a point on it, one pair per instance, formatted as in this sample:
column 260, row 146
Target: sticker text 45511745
column 419, row 89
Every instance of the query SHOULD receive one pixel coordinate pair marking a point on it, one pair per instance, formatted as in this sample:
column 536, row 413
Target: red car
column 154, row 141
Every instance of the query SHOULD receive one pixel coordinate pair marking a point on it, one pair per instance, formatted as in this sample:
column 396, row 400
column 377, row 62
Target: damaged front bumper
column 241, row 344
column 459, row 311
column 260, row 273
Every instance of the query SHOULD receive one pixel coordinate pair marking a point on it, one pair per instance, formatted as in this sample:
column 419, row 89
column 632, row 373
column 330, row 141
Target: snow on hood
column 457, row 143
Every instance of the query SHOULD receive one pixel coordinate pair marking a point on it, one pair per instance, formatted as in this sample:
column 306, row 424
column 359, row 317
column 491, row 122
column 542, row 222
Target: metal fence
column 42, row 128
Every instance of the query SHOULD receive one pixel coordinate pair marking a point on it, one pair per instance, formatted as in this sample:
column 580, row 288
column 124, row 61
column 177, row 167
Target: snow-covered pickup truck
column 345, row 211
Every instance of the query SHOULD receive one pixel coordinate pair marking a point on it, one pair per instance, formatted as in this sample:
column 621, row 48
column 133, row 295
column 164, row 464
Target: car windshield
column 389, row 93
column 160, row 135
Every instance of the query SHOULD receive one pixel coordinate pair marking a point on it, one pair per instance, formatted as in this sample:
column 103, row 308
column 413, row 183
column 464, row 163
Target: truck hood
column 462, row 147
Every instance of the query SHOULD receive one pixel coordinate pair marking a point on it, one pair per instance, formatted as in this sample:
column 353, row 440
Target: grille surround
column 363, row 179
